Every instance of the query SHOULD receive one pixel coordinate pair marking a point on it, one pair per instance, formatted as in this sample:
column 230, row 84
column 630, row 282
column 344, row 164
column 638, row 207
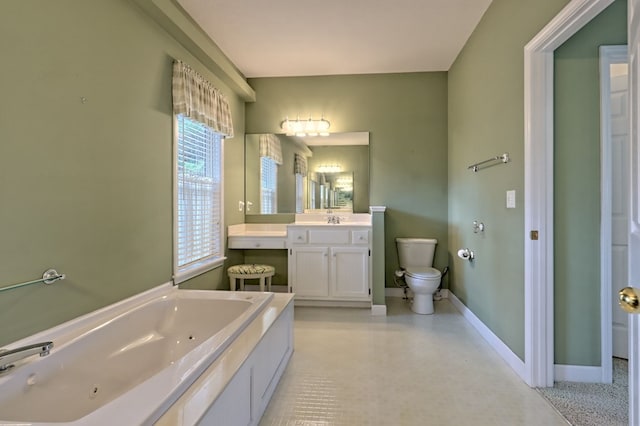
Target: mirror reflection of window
column 300, row 171
column 323, row 197
column 270, row 159
column 268, row 186
column 312, row 194
column 300, row 193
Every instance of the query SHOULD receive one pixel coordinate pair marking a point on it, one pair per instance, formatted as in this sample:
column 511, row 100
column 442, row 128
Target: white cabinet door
column 310, row 271
column 350, row 272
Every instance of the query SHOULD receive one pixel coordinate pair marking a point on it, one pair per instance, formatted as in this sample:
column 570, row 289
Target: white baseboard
column 565, row 373
column 494, row 341
column 577, row 373
column 379, row 310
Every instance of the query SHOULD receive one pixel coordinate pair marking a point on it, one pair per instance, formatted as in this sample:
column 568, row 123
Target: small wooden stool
column 244, row 272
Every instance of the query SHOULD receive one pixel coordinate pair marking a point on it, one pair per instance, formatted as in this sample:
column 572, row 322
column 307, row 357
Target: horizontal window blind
column 268, row 185
column 199, row 198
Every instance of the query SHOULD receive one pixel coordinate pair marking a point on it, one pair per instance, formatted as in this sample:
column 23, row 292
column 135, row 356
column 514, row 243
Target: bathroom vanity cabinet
column 330, row 265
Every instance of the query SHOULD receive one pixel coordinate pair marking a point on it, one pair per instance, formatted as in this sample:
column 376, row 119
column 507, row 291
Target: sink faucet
column 8, row 357
column 333, row 219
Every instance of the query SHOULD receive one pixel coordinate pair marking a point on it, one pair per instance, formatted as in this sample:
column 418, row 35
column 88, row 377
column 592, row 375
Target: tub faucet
column 9, row 356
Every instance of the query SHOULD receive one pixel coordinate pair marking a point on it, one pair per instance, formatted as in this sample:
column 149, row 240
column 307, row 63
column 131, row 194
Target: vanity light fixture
column 309, row 127
column 329, row 168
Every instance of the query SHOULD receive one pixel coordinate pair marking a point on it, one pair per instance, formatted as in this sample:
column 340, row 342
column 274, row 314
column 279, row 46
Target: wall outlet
column 511, row 199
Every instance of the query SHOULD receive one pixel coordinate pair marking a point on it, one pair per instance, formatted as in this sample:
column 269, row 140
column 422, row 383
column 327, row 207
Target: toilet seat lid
column 422, row 272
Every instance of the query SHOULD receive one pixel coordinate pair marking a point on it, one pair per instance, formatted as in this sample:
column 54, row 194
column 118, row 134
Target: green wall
column 577, row 187
column 406, row 115
column 87, row 187
column 486, row 99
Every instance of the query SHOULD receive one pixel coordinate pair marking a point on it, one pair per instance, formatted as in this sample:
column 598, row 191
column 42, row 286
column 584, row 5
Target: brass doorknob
column 628, row 300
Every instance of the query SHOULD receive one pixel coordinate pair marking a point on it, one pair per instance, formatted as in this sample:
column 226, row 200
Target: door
column 350, row 272
column 634, row 223
column 619, row 137
column 310, row 271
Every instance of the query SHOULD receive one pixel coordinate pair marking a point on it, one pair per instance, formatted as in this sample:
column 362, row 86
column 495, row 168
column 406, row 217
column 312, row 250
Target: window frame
column 193, row 269
column 272, row 178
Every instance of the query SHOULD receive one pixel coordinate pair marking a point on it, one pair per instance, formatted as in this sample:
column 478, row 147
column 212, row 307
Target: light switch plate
column 511, row 199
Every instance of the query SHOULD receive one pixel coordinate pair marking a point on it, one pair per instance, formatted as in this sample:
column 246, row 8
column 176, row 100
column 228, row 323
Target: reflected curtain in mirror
column 300, row 170
column 270, row 159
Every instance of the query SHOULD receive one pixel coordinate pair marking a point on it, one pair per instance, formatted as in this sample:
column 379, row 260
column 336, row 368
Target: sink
column 346, row 219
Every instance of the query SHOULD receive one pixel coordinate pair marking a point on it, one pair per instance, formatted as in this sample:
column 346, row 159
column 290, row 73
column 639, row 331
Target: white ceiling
column 280, row 38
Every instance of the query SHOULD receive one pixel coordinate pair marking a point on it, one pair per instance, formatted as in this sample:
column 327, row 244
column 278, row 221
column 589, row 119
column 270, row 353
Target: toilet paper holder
column 466, row 254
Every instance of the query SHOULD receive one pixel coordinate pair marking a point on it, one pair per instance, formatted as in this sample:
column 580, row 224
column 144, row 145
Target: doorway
column 539, row 190
column 539, row 148
column 614, row 232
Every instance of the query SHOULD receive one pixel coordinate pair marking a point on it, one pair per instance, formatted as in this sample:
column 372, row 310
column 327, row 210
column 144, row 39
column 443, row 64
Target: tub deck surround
column 129, row 362
column 259, row 371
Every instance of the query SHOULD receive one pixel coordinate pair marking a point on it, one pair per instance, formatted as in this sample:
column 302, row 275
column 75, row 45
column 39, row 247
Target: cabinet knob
column 257, row 244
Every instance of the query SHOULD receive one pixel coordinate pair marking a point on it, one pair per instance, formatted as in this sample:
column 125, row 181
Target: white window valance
column 300, row 164
column 270, row 147
column 196, row 98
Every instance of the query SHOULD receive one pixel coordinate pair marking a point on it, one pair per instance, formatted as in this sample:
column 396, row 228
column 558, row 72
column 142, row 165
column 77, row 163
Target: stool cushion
column 251, row 269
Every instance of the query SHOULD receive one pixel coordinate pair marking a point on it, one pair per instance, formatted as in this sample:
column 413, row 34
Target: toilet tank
column 416, row 252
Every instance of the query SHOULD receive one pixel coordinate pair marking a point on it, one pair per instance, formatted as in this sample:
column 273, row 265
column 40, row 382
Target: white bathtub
column 127, row 363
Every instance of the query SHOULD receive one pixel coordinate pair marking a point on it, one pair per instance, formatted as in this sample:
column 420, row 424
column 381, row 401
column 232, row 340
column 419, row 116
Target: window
column 202, row 119
column 268, row 186
column 300, row 193
column 198, row 215
column 312, row 194
column 300, row 169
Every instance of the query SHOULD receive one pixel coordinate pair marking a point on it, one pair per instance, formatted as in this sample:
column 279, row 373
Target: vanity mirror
column 288, row 174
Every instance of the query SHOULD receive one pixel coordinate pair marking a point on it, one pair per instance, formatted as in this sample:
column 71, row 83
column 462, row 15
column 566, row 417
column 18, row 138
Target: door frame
column 538, row 185
column 608, row 55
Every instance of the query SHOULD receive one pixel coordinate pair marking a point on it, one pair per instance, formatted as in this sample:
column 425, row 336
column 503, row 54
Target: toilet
column 416, row 259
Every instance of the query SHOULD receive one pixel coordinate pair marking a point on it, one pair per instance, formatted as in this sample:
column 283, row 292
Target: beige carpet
column 593, row 404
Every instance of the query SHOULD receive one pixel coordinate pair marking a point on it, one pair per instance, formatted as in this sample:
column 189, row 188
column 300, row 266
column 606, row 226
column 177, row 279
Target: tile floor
column 350, row 368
